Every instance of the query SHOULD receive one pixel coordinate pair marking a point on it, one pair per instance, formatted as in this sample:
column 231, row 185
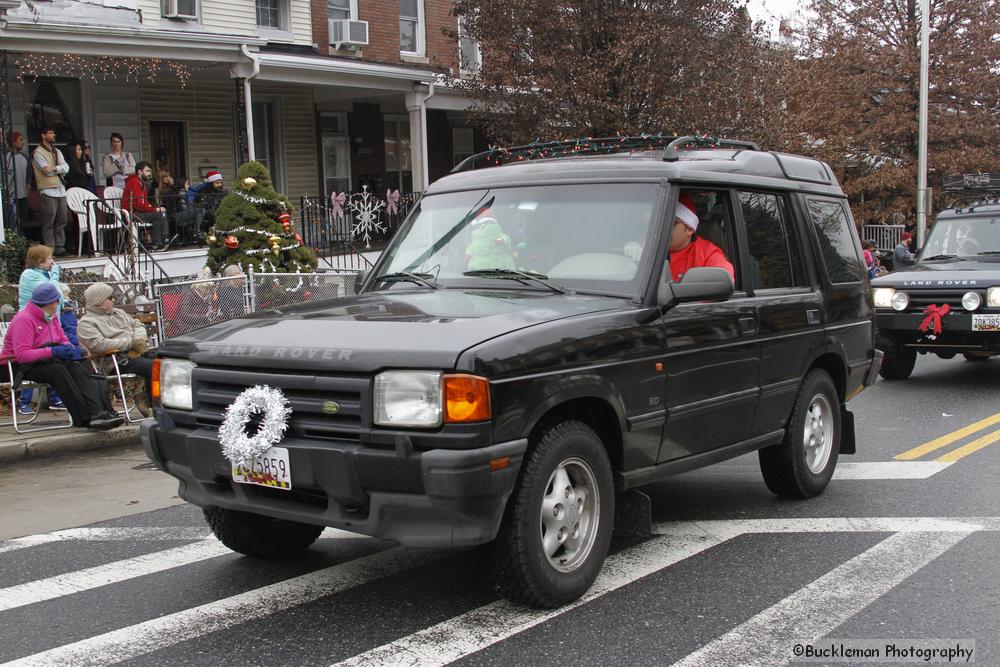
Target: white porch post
column 418, row 151
column 248, row 113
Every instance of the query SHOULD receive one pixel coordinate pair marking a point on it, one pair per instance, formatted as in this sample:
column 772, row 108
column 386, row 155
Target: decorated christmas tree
column 254, row 227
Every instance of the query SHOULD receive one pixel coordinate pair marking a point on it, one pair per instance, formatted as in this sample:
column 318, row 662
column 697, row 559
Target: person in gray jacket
column 105, row 328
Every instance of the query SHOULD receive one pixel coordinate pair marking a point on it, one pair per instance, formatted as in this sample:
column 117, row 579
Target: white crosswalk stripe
column 127, row 534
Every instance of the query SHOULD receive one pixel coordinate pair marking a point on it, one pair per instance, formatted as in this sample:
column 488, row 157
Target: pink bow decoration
column 337, row 205
column 934, row 314
column 392, row 197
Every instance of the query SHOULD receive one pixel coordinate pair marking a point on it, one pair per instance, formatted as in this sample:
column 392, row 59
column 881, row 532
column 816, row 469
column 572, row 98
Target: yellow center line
column 973, row 446
column 947, row 439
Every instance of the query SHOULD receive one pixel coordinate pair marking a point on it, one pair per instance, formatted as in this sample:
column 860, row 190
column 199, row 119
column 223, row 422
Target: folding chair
column 118, row 378
column 7, row 381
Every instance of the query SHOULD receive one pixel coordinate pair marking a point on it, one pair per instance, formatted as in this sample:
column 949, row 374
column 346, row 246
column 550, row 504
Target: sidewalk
column 16, row 447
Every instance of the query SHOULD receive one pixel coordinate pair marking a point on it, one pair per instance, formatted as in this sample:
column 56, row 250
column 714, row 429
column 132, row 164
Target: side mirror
column 703, row 283
column 359, row 280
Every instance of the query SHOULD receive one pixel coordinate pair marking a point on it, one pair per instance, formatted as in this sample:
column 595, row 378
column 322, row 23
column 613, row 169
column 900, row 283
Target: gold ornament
column 249, row 183
column 211, row 238
column 275, row 250
column 274, row 240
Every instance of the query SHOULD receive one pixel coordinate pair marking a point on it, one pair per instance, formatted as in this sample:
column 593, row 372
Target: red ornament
column 232, row 242
column 307, row 295
column 285, row 219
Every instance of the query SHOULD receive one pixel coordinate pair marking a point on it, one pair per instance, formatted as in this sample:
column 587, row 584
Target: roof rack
column 671, row 146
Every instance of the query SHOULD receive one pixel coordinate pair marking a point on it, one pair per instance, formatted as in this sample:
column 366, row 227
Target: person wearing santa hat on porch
column 205, row 210
column 687, row 251
column 212, row 183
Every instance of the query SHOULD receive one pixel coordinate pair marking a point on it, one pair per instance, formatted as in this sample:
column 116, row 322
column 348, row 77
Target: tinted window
column 776, row 260
column 836, row 242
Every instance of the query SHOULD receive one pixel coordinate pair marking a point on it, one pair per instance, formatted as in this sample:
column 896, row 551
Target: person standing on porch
column 49, row 165
column 17, row 176
column 135, row 201
column 118, row 165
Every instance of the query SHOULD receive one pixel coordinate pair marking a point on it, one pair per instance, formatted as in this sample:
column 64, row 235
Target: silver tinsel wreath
column 241, row 448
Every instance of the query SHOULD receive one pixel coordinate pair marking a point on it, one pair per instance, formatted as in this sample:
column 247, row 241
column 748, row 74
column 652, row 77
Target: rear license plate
column 270, row 469
column 986, row 322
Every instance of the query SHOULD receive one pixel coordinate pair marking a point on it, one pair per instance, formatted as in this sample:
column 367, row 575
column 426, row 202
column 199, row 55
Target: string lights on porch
column 99, row 68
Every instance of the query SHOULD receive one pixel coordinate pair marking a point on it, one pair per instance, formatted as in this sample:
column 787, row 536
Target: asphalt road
column 901, row 548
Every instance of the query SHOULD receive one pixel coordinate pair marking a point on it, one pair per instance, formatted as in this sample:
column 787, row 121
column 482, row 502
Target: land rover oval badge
column 331, row 407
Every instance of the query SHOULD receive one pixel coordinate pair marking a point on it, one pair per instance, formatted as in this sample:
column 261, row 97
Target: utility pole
column 922, row 141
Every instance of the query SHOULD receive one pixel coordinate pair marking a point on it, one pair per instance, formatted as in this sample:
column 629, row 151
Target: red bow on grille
column 933, row 317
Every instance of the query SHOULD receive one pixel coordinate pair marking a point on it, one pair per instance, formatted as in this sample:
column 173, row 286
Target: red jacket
column 134, row 196
column 700, row 252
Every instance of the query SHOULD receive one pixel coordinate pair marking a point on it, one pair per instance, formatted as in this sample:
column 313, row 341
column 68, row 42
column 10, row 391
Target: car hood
column 943, row 275
column 405, row 329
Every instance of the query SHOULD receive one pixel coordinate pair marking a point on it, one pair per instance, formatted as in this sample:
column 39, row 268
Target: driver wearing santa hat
column 687, row 251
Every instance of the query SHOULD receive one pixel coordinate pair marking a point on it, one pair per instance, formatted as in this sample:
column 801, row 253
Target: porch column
column 414, row 104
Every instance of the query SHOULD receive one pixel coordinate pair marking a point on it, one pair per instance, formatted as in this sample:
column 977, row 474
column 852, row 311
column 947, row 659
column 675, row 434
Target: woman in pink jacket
column 43, row 354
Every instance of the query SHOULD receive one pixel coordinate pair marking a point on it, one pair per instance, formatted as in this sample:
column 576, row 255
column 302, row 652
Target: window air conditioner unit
column 345, row 32
column 180, row 9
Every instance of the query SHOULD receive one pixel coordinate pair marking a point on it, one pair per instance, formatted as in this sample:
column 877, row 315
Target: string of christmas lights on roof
column 498, row 155
column 99, row 68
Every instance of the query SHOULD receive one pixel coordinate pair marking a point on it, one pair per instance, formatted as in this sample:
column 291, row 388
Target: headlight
column 900, row 301
column 993, row 297
column 883, row 297
column 408, row 398
column 175, row 383
column 971, row 300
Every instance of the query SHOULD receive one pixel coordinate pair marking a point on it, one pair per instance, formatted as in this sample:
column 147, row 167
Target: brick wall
column 383, row 33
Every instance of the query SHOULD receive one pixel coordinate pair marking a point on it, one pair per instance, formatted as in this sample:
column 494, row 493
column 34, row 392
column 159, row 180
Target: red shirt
column 134, row 196
column 700, row 252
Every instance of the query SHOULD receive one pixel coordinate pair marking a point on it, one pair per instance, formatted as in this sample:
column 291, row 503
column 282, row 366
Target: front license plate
column 989, row 322
column 270, row 469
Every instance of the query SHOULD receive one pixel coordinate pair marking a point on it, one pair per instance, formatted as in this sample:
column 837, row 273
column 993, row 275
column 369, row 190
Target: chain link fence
column 275, row 290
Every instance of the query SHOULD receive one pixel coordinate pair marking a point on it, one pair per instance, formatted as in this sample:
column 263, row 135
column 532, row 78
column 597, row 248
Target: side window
column 833, row 229
column 715, row 222
column 775, row 255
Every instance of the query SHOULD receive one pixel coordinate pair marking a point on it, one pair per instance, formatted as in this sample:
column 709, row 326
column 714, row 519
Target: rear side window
column 775, row 255
column 836, row 242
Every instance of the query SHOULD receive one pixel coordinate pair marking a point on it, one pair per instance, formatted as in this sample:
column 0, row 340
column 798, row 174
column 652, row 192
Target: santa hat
column 685, row 211
column 213, row 176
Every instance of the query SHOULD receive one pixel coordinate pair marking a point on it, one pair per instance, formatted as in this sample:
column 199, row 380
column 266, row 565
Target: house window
column 461, row 144
column 181, row 9
column 398, row 166
column 470, row 58
column 411, row 26
column 269, row 14
column 338, row 10
column 265, row 141
column 52, row 103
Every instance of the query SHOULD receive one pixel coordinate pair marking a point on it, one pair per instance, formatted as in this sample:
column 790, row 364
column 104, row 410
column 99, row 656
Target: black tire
column 794, row 468
column 898, row 362
column 260, row 536
column 521, row 571
column 976, row 356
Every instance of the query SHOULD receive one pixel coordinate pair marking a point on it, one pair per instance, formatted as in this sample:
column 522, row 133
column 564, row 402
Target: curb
column 24, row 446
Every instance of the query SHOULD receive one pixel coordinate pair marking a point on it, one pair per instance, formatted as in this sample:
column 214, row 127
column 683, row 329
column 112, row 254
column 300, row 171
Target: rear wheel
column 898, row 362
column 558, row 522
column 260, row 536
column 802, row 465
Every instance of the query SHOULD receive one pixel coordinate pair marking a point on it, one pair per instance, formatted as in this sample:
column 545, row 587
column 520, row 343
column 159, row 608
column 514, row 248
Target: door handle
column 812, row 316
column 748, row 325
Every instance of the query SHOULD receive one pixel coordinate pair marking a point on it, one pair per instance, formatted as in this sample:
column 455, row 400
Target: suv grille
column 215, row 389
column 920, row 299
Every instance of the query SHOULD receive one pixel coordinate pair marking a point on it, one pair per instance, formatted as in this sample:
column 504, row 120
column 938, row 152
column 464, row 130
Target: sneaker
column 57, row 404
column 105, row 421
column 26, row 410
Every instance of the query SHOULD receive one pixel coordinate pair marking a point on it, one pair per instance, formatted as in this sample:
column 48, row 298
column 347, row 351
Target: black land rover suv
column 520, row 354
column 948, row 302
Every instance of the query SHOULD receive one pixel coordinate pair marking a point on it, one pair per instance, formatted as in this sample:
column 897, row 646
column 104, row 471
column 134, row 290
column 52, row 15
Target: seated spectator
column 107, row 329
column 196, row 309
column 186, row 218
column 40, row 267
column 135, row 201
column 43, row 353
column 230, row 293
column 197, row 196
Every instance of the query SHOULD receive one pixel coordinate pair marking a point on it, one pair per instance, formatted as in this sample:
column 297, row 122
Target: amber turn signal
column 466, row 399
column 154, row 380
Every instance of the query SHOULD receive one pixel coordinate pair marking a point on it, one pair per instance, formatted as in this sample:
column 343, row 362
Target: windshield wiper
column 514, row 274
column 989, row 252
column 406, row 276
column 933, row 257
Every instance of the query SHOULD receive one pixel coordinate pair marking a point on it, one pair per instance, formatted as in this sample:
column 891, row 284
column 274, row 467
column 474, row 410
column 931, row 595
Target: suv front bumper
column 956, row 332
column 433, row 498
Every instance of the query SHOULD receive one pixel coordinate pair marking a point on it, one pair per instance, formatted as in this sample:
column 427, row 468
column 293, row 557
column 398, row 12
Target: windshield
column 963, row 237
column 579, row 237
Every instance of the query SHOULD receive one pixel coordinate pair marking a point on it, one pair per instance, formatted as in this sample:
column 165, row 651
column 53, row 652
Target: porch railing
column 345, row 226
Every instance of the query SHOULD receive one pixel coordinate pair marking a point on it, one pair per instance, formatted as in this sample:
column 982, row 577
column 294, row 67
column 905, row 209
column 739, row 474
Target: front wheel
column 802, row 465
column 557, row 525
column 898, row 361
column 260, row 536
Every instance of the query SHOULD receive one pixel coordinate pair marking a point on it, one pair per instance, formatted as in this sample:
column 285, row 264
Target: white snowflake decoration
column 367, row 215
